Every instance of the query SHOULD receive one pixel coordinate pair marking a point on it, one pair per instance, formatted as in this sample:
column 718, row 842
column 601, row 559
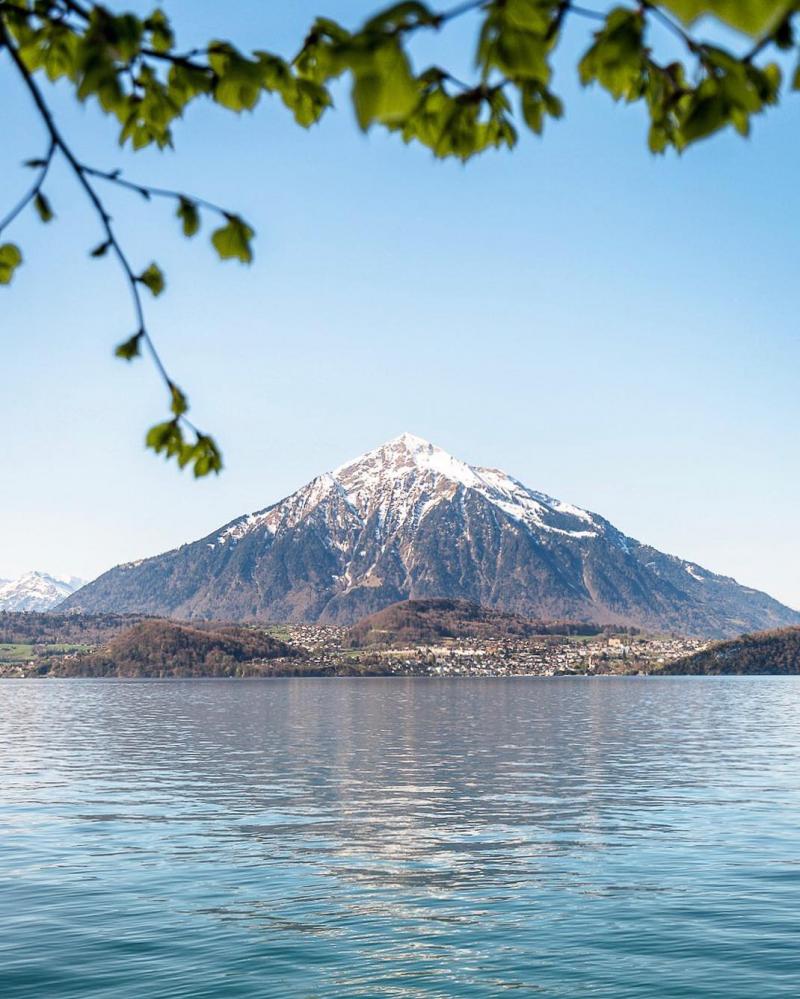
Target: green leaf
column 618, row 59
column 239, row 80
column 384, row 89
column 203, row 454
column 707, row 115
column 10, row 259
column 657, row 139
column 190, row 217
column 178, row 404
column 129, row 349
column 42, row 206
column 153, row 279
column 366, row 98
column 161, row 36
column 207, row 457
column 515, row 41
column 166, row 437
column 232, row 241
column 752, row 17
column 310, row 102
column 536, row 102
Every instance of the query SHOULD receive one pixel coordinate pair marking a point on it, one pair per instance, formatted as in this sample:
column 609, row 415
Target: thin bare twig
column 114, row 177
column 34, row 189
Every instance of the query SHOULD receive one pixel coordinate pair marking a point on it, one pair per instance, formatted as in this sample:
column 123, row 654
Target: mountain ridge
column 407, row 520
column 36, row 591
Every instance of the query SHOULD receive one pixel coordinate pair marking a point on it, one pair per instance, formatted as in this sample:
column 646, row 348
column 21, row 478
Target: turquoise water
column 400, row 838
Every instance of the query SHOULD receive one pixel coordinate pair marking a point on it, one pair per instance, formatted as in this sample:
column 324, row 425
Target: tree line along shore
column 415, row 638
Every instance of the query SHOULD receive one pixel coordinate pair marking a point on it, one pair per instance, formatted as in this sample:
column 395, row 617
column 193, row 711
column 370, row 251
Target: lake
column 400, row 838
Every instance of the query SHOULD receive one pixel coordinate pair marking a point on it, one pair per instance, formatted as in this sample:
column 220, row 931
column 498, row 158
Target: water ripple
column 400, row 838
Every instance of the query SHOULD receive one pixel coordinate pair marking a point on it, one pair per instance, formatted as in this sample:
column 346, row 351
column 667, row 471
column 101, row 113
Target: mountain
column 407, row 520
column 427, row 622
column 768, row 652
column 35, row 591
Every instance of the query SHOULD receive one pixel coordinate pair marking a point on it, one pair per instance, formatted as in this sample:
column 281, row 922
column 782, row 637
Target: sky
column 614, row 329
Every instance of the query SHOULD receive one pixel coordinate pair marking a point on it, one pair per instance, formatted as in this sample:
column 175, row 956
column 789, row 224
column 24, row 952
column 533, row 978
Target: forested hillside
column 168, row 649
column 766, row 652
column 421, row 622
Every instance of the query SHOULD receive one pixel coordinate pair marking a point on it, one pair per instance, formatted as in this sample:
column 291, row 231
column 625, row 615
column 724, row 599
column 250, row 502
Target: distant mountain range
column 407, row 520
column 35, row 591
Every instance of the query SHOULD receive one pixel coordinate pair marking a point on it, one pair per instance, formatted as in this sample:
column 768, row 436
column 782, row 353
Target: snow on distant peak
column 36, row 591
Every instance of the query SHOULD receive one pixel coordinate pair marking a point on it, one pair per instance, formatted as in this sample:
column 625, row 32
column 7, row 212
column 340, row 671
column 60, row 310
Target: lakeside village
column 126, row 646
column 540, row 655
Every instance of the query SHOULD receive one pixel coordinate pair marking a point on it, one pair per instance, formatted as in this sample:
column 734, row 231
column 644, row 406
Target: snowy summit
column 36, row 591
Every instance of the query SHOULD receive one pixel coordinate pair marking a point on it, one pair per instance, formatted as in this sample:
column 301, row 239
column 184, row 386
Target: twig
column 34, row 190
column 76, row 8
column 80, row 172
column 114, row 177
column 673, row 26
column 593, row 15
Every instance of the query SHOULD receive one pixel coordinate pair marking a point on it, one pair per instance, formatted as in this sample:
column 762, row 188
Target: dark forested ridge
column 421, row 622
column 766, row 652
column 158, row 648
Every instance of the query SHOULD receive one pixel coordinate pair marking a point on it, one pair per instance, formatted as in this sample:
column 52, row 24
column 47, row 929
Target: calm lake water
column 400, row 838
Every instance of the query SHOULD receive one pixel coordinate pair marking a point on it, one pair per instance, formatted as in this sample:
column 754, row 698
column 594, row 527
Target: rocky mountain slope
column 407, row 520
column 35, row 591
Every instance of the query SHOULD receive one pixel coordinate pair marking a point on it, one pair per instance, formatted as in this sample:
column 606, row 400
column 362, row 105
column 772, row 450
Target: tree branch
column 58, row 141
column 671, row 25
column 146, row 191
column 592, row 15
column 76, row 8
column 34, row 190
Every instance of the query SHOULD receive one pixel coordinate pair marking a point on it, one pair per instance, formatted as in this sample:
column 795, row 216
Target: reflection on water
column 400, row 838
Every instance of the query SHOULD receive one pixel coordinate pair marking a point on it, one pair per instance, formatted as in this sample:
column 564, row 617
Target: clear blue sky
column 617, row 330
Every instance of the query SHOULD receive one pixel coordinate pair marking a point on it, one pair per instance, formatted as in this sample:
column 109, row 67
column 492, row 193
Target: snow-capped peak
column 400, row 482
column 397, row 458
column 36, row 591
column 408, row 476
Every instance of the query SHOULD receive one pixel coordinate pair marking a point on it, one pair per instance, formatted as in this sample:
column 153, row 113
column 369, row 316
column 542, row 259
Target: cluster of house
column 540, row 656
